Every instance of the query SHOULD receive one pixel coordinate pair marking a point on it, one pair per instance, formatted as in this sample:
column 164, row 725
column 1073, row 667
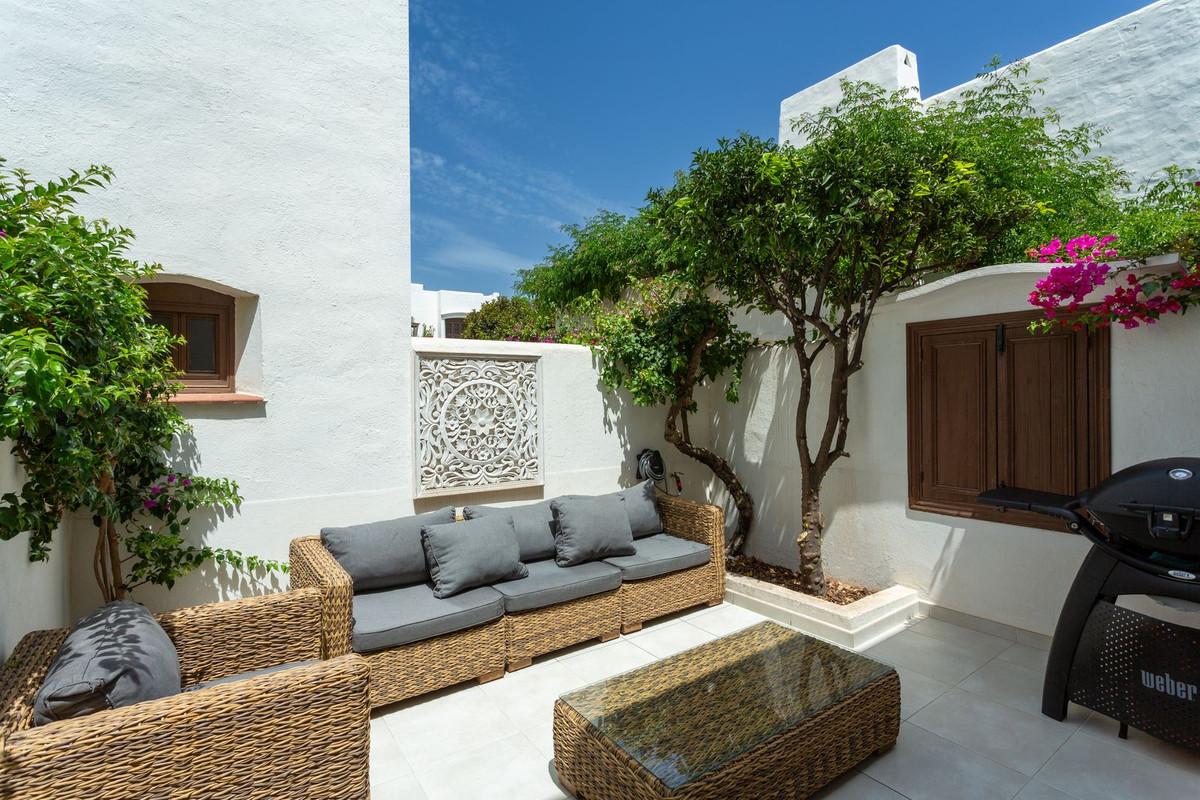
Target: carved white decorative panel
column 478, row 423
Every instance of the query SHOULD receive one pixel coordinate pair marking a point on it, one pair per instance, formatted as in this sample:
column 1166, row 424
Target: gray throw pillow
column 641, row 507
column 533, row 524
column 464, row 555
column 116, row 656
column 380, row 555
column 590, row 528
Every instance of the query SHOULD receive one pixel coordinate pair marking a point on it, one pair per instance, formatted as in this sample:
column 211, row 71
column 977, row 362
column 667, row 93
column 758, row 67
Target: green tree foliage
column 885, row 193
column 505, row 318
column 85, row 380
column 655, row 332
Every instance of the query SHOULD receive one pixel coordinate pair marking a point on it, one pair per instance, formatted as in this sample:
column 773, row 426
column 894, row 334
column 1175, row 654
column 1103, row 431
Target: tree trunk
column 107, row 560
column 742, row 500
column 812, row 570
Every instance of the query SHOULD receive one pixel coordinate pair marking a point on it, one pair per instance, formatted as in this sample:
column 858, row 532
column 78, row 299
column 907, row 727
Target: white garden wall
column 1140, row 77
column 264, row 147
column 32, row 595
column 431, row 307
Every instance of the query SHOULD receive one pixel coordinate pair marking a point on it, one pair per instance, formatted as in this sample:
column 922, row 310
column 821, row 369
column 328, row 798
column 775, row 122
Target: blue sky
column 528, row 114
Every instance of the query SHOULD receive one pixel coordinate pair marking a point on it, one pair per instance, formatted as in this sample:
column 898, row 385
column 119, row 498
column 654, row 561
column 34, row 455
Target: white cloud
column 451, row 249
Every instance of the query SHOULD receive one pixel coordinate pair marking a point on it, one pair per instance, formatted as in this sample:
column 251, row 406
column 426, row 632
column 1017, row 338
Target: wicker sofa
column 237, row 739
column 483, row 651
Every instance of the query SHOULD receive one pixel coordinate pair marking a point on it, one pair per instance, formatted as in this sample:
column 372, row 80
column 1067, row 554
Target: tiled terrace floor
column 971, row 726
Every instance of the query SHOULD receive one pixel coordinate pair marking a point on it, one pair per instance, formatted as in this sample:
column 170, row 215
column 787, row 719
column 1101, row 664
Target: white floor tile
column 983, row 645
column 1141, row 743
column 1036, row 790
column 663, row 642
column 1017, row 740
column 918, row 691
column 856, row 786
column 924, row 765
column 606, row 660
column 388, row 763
column 1108, row 769
column 1025, row 656
column 725, row 619
column 406, row 788
column 1005, row 682
column 507, row 769
column 935, row 658
column 448, row 723
column 527, row 696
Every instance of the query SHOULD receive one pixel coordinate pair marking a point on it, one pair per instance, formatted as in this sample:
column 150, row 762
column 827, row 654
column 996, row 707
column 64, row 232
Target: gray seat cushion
column 116, row 656
column 393, row 617
column 478, row 552
column 377, row 555
column 660, row 554
column 548, row 584
column 590, row 528
column 254, row 673
column 533, row 524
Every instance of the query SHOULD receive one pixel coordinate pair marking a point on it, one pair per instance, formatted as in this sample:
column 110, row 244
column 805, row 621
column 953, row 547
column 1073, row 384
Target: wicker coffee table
column 763, row 713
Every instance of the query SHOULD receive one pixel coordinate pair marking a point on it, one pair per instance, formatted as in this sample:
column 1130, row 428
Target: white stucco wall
column 1007, row 573
column 32, row 595
column 1140, row 77
column 433, row 306
column 1135, row 76
column 263, row 146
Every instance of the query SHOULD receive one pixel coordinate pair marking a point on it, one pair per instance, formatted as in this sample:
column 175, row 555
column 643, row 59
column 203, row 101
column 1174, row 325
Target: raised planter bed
column 855, row 626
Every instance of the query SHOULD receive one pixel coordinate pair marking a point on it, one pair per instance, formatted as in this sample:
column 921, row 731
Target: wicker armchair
column 302, row 732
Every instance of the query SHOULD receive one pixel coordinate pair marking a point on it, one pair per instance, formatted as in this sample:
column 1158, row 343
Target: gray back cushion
column 477, row 552
column 379, row 555
column 642, row 509
column 116, row 656
column 533, row 524
column 591, row 528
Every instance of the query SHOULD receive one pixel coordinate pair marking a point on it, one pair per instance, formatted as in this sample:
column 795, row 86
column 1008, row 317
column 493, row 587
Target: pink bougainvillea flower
column 156, row 489
column 150, row 504
column 186, row 482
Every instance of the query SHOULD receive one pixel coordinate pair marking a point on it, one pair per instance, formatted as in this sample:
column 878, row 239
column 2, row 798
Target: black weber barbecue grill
column 1144, row 525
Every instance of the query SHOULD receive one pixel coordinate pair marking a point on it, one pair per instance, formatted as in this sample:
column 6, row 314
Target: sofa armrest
column 23, row 674
column 222, row 639
column 699, row 522
column 303, row 732
column 311, row 565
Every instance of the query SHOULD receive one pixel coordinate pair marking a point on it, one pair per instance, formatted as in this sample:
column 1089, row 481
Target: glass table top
column 687, row 715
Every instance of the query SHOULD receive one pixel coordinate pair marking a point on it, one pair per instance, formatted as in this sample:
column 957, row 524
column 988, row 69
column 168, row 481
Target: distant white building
column 441, row 311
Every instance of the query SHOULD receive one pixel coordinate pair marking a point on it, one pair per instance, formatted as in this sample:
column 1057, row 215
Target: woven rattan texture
column 413, row 669
column 303, row 732
column 544, row 630
column 698, row 721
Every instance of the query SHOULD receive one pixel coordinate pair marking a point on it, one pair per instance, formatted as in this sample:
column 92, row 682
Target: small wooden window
column 454, row 327
column 204, row 319
column 991, row 404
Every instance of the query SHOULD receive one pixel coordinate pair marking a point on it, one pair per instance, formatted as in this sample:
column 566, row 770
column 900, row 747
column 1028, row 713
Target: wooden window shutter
column 992, row 404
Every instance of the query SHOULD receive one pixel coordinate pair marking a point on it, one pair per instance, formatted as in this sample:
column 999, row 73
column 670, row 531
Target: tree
column 502, row 319
column 85, row 380
column 887, row 192
column 655, row 333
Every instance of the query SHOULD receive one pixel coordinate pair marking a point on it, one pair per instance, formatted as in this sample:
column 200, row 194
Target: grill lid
column 1153, row 504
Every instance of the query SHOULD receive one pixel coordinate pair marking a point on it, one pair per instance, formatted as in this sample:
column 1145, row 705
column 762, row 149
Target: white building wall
column 432, row 307
column 33, row 595
column 263, row 146
column 1139, row 76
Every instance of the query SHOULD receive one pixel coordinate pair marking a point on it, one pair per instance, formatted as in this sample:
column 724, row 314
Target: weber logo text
column 1167, row 685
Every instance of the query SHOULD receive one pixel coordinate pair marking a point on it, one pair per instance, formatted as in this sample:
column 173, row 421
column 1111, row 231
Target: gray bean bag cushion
column 590, row 528
column 549, row 584
column 114, row 657
column 378, row 555
column 477, row 552
column 392, row 617
column 533, row 523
